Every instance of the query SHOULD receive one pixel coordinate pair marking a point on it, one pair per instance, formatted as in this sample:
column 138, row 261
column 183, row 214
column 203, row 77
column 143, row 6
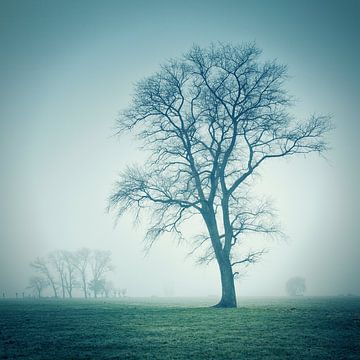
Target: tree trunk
column 222, row 254
column 63, row 287
column 54, row 288
column 228, row 294
column 84, row 285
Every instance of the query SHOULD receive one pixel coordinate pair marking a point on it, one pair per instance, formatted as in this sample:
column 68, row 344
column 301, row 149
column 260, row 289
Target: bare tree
column 107, row 288
column 209, row 120
column 44, row 267
column 56, row 258
column 97, row 286
column 81, row 261
column 37, row 284
column 70, row 272
column 100, row 264
column 295, row 286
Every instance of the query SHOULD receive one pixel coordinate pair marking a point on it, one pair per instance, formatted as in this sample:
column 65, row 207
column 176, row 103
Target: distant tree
column 43, row 266
column 210, row 120
column 108, row 288
column 97, row 286
column 295, row 286
column 123, row 292
column 100, row 262
column 70, row 280
column 56, row 258
column 81, row 261
column 37, row 284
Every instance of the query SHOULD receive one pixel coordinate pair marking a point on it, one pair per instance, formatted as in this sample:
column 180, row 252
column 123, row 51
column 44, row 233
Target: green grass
column 306, row 328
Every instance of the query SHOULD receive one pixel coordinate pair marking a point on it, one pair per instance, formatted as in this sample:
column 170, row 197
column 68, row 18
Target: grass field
column 269, row 328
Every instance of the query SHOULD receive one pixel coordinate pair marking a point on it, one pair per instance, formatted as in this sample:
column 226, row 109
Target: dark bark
column 228, row 294
column 222, row 254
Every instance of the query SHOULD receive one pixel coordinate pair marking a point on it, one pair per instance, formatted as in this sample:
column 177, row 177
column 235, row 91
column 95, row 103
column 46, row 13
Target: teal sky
column 67, row 68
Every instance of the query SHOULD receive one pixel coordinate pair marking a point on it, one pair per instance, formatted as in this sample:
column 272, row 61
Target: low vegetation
column 298, row 328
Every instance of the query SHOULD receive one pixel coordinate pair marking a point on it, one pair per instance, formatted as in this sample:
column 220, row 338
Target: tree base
column 225, row 305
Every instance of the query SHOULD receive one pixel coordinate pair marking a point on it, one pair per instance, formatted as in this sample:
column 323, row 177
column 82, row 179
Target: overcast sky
column 68, row 67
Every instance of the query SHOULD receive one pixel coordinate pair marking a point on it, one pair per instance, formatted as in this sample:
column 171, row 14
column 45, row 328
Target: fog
column 67, row 68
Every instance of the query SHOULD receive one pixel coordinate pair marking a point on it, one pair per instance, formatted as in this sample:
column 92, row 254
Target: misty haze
column 184, row 175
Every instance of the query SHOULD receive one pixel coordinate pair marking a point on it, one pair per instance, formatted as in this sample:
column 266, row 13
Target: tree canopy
column 209, row 120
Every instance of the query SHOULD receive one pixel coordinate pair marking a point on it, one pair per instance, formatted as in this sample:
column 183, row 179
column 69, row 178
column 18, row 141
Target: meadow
column 157, row 328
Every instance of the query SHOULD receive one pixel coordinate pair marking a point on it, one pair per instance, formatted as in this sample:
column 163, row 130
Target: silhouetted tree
column 108, row 287
column 56, row 258
column 70, row 280
column 43, row 266
column 37, row 284
column 295, row 286
column 81, row 261
column 97, row 286
column 100, row 262
column 209, row 121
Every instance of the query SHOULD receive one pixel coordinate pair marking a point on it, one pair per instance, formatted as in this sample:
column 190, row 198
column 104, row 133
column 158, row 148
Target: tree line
column 64, row 271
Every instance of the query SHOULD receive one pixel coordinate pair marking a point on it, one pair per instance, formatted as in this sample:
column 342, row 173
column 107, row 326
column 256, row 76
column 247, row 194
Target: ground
column 267, row 328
